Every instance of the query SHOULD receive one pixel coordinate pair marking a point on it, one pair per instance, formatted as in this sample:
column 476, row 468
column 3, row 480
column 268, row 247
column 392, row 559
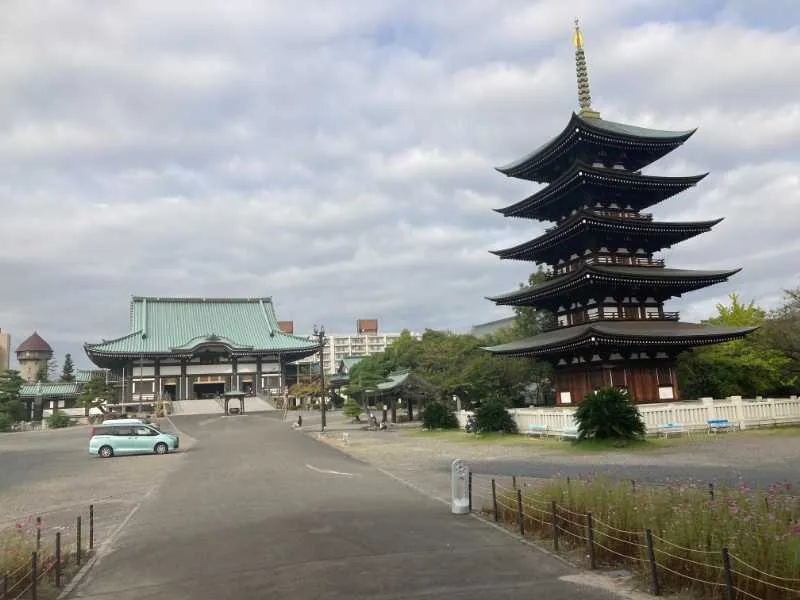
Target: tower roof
column 35, row 343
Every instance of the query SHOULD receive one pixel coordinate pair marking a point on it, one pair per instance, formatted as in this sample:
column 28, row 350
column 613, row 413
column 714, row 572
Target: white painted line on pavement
column 327, row 471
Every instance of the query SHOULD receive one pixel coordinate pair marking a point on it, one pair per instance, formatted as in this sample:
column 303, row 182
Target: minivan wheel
column 106, row 452
column 161, row 448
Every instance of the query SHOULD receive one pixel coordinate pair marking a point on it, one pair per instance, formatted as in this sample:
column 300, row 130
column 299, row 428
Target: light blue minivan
column 110, row 439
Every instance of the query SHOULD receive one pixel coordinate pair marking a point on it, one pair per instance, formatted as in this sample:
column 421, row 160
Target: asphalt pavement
column 257, row 510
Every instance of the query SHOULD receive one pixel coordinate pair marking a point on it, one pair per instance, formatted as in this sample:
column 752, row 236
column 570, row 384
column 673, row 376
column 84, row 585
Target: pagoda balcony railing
column 615, row 259
column 623, row 214
column 581, row 318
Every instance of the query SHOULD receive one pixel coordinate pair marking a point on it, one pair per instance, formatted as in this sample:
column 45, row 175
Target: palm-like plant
column 609, row 413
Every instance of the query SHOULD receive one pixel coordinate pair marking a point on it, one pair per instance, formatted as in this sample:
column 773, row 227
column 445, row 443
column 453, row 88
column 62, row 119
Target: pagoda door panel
column 642, row 383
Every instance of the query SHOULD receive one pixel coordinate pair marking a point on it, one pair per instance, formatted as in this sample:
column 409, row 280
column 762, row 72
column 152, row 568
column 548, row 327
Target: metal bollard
column 91, row 526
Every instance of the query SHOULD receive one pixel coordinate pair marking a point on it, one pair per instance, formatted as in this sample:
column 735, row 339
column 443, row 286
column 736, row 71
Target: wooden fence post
column 554, row 516
column 494, row 499
column 520, row 513
column 469, row 490
column 58, row 559
column 651, row 556
column 34, row 575
column 726, row 563
column 78, row 539
column 590, row 539
column 91, row 520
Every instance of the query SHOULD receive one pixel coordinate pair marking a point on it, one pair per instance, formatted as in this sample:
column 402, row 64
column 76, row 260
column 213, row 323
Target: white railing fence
column 692, row 415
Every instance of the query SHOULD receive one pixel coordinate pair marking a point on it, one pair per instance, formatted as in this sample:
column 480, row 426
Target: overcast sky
column 338, row 155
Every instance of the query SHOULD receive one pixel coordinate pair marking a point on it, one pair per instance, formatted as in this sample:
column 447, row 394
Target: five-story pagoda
column 606, row 288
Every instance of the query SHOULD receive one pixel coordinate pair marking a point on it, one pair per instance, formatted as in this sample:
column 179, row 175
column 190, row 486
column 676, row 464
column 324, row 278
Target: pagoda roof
column 588, row 136
column 620, row 333
column 674, row 281
column 183, row 326
column 568, row 237
column 574, row 187
column 34, row 343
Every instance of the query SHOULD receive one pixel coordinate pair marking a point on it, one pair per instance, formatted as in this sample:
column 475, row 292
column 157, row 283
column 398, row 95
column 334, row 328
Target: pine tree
column 68, row 370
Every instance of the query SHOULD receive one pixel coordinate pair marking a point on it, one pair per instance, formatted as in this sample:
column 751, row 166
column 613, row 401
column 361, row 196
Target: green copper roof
column 58, row 388
column 393, row 381
column 181, row 325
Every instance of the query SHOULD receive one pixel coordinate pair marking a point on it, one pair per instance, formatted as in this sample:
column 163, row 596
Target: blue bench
column 569, row 433
column 669, row 428
column 537, row 429
column 718, row 425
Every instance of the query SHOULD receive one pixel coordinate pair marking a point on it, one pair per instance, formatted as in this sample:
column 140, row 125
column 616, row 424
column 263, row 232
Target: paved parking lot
column 50, row 474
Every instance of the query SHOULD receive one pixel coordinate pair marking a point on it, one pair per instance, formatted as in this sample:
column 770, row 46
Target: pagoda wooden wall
column 641, row 381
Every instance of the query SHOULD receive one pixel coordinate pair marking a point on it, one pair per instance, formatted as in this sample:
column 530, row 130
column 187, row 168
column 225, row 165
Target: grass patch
column 761, row 529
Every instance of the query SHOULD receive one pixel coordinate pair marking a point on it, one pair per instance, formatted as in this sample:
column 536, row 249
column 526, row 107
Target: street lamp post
column 319, row 333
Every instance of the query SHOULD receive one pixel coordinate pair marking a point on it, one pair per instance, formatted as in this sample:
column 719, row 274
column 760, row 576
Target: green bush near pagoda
column 438, row 415
column 492, row 415
column 609, row 414
column 57, row 420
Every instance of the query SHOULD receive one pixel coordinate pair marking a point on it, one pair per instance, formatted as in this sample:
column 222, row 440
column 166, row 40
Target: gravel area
column 763, row 456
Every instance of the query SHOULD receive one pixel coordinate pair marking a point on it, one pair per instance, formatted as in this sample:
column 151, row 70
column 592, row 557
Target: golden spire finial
column 584, row 95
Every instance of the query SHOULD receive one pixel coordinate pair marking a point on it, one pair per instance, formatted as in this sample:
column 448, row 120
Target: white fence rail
column 689, row 415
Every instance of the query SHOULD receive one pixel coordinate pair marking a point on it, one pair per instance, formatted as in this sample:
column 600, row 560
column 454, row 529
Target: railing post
column 726, row 563
column 469, row 490
column 520, row 513
column 91, row 524
column 38, row 533
column 58, row 559
column 590, row 539
column 494, row 500
column 554, row 517
column 34, row 575
column 651, row 556
column 78, row 540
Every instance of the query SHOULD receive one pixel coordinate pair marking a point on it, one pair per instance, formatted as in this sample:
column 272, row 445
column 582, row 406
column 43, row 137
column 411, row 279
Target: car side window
column 145, row 431
column 123, row 431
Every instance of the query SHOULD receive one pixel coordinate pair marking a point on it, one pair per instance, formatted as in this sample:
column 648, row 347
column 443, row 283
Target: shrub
column 352, row 409
column 492, row 415
column 5, row 422
column 609, row 413
column 438, row 415
column 57, row 420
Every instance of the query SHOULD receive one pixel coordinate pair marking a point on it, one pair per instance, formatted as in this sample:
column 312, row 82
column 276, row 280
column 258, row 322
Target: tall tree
column 749, row 366
column 782, row 327
column 95, row 393
column 41, row 372
column 10, row 405
column 68, row 370
column 532, row 321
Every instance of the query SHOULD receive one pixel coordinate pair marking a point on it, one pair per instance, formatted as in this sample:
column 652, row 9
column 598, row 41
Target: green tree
column 609, row 413
column 749, row 366
column 439, row 415
column 532, row 321
column 493, row 415
column 782, row 329
column 95, row 393
column 10, row 405
column 41, row 372
column 68, row 370
column 351, row 409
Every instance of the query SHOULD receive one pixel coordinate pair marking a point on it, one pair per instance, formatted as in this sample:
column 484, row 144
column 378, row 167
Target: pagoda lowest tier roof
column 608, row 280
column 585, row 228
column 633, row 334
column 587, row 138
column 180, row 326
column 583, row 184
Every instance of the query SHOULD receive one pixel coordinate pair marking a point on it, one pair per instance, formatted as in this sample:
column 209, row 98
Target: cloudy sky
column 338, row 155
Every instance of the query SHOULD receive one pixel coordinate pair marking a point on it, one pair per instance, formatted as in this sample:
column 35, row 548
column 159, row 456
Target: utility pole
column 319, row 333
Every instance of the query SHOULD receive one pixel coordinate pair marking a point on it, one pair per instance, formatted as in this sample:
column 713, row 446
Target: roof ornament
column 584, row 94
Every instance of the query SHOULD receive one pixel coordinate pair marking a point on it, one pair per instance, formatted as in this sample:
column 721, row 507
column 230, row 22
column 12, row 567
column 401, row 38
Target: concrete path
column 260, row 511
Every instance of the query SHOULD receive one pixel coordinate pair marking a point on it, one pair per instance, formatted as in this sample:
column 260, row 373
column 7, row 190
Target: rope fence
column 662, row 564
column 33, row 565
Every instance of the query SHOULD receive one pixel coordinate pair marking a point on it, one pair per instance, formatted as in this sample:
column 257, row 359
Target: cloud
column 341, row 159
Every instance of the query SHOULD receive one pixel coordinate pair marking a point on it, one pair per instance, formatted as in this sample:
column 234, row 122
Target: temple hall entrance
column 208, row 390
